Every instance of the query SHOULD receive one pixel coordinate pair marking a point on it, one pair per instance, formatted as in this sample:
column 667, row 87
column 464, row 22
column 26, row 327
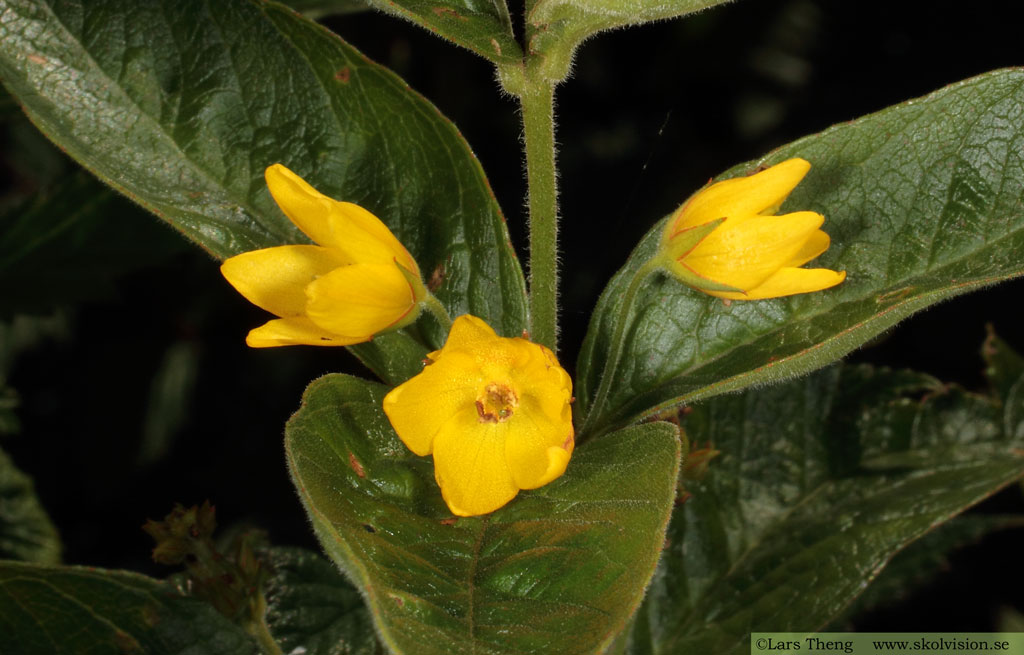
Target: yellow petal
column 467, row 332
column 743, row 255
column 538, row 378
column 815, row 245
column 355, row 233
column 293, row 332
column 789, row 281
column 760, row 193
column 360, row 300
column 419, row 407
column 538, row 445
column 275, row 279
column 470, row 465
column 309, row 209
column 366, row 239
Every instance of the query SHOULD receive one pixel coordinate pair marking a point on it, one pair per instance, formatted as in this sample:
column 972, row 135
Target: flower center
column 496, row 404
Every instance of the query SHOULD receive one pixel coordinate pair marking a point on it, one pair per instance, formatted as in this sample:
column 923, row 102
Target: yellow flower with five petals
column 358, row 281
column 494, row 412
column 727, row 241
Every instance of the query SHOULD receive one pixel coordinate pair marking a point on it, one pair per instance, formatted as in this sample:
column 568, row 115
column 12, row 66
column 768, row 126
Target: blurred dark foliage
column 144, row 394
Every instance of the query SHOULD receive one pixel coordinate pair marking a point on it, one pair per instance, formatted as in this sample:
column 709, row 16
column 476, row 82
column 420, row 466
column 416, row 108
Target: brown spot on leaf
column 727, row 302
column 450, row 521
column 37, row 59
column 436, row 278
column 496, row 46
column 356, row 466
column 448, row 12
column 343, row 75
column 894, row 296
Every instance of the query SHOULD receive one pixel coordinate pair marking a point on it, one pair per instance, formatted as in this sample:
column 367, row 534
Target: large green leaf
column 319, row 8
column 922, row 201
column 26, row 532
column 555, row 28
column 312, row 608
column 559, row 569
column 820, row 482
column 76, row 610
column 483, row 26
column 924, row 559
column 181, row 105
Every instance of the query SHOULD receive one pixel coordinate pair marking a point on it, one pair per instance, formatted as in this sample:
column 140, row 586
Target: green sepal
column 681, row 244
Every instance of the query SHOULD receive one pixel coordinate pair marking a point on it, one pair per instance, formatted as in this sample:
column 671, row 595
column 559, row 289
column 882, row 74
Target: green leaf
column 924, row 558
column 820, row 482
column 26, row 532
column 74, row 610
column 1005, row 372
column 9, row 401
column 1004, row 368
column 559, row 569
column 70, row 244
column 181, row 105
column 312, row 608
column 483, row 26
column 320, row 8
column 555, row 28
column 920, row 208
column 168, row 405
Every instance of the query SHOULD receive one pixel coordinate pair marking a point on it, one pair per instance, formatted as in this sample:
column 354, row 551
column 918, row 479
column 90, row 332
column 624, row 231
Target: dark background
column 648, row 115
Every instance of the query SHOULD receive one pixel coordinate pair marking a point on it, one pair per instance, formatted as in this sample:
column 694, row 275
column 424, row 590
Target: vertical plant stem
column 537, row 99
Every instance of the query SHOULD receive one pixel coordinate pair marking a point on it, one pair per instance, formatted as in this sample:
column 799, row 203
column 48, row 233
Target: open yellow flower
column 356, row 282
column 727, row 241
column 495, row 412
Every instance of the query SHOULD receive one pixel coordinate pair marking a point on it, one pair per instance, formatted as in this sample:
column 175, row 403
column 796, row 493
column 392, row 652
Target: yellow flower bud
column 495, row 412
column 358, row 281
column 727, row 241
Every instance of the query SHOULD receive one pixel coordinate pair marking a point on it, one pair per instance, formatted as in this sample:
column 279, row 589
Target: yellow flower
column 494, row 412
column 727, row 241
column 357, row 282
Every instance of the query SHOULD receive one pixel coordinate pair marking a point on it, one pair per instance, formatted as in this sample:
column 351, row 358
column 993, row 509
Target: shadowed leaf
column 74, row 610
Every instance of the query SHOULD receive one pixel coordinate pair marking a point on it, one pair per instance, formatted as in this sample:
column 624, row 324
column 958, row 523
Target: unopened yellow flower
column 727, row 241
column 495, row 412
column 356, row 282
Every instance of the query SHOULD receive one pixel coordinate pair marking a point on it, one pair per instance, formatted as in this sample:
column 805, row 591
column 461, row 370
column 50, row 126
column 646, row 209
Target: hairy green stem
column 537, row 100
column 622, row 321
column 434, row 306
